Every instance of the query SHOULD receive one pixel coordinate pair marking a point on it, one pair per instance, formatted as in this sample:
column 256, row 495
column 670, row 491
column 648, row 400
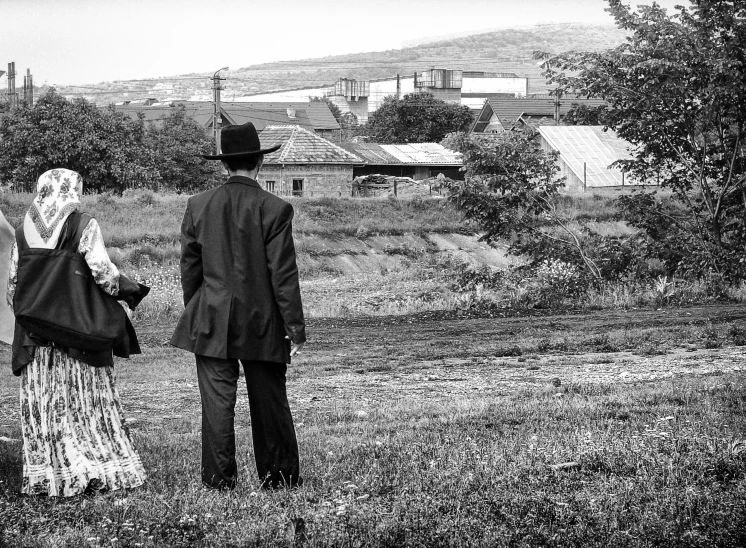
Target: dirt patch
column 372, row 253
column 367, row 362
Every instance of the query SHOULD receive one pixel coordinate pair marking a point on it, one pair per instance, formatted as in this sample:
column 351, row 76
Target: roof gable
column 584, row 151
column 514, row 112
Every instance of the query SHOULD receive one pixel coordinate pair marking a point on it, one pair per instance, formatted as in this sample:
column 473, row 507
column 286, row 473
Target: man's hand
column 295, row 348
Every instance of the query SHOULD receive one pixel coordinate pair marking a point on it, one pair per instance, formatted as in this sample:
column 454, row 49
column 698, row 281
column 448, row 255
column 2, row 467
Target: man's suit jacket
column 239, row 275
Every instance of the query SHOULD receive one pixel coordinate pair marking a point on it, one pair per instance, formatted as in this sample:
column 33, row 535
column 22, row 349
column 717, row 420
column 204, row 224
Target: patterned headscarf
column 58, row 195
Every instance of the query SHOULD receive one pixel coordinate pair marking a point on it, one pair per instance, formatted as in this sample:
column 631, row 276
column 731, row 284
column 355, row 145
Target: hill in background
column 507, row 50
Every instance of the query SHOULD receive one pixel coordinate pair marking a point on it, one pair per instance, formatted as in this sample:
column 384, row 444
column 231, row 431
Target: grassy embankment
column 142, row 234
column 356, row 257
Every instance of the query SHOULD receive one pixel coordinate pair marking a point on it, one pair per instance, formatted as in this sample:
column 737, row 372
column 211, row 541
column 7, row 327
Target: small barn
column 306, row 164
column 586, row 154
column 415, row 160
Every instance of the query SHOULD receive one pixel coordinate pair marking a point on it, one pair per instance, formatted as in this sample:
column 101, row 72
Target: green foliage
column 178, row 142
column 665, row 235
column 509, row 184
column 675, row 91
column 511, row 191
column 583, row 115
column 106, row 148
column 470, row 278
column 110, row 150
column 417, row 118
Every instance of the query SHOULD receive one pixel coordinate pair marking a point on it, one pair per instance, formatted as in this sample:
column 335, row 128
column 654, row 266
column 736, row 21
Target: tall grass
column 141, row 217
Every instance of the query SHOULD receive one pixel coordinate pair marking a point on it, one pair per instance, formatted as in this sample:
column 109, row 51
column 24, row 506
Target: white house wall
column 380, row 89
column 517, row 86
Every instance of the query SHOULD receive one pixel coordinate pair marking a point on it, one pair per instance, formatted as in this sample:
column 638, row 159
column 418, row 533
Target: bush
column 470, row 278
column 145, row 198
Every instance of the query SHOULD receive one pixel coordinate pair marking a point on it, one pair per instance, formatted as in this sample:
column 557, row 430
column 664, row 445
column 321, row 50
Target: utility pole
column 557, row 108
column 216, row 118
column 398, row 88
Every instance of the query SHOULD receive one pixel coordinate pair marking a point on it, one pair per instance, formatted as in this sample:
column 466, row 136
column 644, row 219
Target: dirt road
column 358, row 365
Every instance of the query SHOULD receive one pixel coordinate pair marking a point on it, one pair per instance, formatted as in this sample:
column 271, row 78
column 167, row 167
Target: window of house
column 297, row 187
column 269, row 186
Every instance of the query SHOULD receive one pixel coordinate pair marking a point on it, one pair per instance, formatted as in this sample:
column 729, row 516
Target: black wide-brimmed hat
column 239, row 141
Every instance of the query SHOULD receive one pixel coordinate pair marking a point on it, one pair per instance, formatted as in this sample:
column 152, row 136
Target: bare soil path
column 358, row 365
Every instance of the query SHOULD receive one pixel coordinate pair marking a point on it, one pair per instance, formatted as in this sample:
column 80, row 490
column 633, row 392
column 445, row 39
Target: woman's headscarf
column 57, row 196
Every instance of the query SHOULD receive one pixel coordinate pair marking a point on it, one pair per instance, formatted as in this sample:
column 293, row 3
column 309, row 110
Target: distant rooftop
column 405, row 154
column 588, row 151
column 512, row 112
column 300, row 146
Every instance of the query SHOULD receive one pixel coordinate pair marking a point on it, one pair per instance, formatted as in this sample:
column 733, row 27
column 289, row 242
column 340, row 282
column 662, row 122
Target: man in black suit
column 242, row 303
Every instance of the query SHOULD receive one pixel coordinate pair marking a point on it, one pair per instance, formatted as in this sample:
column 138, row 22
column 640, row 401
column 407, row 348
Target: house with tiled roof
column 504, row 114
column 313, row 116
column 416, row 160
column 306, row 164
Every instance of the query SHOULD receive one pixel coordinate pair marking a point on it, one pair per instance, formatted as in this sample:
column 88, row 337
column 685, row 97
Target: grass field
column 423, row 418
column 547, row 431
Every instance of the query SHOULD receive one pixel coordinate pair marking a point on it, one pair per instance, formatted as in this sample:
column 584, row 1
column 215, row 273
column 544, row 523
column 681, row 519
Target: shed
column 305, row 164
column 586, row 152
column 416, row 160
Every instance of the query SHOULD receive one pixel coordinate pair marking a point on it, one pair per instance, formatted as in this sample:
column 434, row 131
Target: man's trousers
column 275, row 444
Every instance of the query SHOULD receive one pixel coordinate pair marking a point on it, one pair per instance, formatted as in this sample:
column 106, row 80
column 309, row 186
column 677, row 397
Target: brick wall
column 307, row 180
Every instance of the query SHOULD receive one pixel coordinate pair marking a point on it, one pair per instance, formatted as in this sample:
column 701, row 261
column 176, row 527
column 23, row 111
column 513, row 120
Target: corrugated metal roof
column 371, row 153
column 409, row 154
column 300, row 146
column 580, row 145
column 424, row 153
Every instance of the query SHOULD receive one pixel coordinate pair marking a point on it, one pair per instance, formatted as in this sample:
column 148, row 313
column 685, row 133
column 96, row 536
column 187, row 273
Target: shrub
column 145, row 198
column 470, row 278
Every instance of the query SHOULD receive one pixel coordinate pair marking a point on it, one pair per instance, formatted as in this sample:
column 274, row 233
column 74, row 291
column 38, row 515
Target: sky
column 89, row 41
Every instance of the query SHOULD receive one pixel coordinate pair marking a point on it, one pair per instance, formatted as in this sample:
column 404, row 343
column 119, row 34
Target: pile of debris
column 402, row 187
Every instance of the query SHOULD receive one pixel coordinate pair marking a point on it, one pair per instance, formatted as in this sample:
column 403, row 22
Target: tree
column 178, row 143
column 417, row 118
column 511, row 191
column 105, row 147
column 583, row 115
column 676, row 91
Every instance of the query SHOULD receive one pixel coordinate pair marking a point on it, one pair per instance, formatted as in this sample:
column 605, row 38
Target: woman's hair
column 247, row 162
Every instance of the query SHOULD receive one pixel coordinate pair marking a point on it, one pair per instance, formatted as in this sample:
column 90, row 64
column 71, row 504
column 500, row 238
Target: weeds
column 653, row 464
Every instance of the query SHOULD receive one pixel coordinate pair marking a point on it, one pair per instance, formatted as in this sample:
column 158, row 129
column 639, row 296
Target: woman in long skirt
column 74, row 436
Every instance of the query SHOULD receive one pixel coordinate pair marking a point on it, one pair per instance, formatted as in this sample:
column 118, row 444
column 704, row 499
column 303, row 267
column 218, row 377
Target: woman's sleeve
column 92, row 248
column 12, row 275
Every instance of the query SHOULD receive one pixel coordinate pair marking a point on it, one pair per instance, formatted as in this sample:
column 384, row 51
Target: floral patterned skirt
column 74, row 436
